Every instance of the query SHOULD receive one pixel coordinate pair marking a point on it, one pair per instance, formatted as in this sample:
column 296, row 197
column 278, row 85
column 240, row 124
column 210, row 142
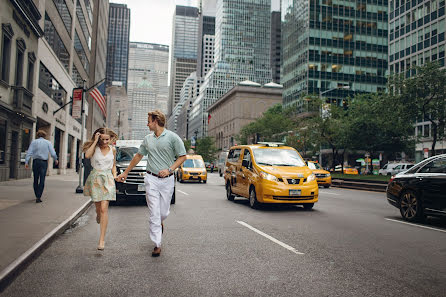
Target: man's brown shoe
column 162, row 228
column 156, row 252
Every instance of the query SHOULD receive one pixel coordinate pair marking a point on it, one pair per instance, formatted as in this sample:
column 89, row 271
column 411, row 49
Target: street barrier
column 372, row 185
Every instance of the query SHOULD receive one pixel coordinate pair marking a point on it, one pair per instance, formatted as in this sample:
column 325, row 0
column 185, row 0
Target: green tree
column 425, row 95
column 206, row 148
column 187, row 144
column 269, row 127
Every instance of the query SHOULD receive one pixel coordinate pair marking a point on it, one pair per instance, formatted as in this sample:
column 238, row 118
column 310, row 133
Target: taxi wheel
column 253, row 199
column 204, row 181
column 229, row 195
column 326, row 186
column 308, row 206
column 410, row 207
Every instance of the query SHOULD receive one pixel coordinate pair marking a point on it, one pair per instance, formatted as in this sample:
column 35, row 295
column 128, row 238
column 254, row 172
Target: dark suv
column 421, row 190
column 134, row 186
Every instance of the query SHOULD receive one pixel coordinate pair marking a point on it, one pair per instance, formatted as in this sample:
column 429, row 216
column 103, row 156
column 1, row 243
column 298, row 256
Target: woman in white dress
column 100, row 184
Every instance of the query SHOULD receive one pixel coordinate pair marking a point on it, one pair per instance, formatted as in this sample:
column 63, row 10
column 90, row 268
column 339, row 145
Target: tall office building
column 417, row 36
column 333, row 48
column 147, row 84
column 118, row 44
column 183, row 55
column 275, row 51
column 242, row 52
column 95, row 118
column 207, row 12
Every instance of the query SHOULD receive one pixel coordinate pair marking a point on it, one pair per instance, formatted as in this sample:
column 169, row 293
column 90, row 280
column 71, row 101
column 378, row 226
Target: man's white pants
column 158, row 196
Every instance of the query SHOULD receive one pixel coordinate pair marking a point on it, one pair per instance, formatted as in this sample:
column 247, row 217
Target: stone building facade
column 240, row 106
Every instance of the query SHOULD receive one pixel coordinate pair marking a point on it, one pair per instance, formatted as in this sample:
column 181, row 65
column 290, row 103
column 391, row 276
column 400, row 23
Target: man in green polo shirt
column 165, row 152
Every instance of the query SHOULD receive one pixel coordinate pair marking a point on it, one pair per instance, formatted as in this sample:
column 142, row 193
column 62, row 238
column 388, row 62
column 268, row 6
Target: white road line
column 290, row 248
column 183, row 192
column 329, row 193
column 421, row 226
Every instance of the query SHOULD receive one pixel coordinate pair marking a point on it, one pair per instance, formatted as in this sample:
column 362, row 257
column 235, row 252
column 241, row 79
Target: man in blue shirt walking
column 39, row 150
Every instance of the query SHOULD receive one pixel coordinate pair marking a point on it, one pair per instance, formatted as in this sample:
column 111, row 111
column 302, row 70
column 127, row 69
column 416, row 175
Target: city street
column 352, row 243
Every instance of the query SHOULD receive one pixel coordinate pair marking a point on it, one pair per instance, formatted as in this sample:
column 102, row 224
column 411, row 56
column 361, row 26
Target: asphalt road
column 352, row 243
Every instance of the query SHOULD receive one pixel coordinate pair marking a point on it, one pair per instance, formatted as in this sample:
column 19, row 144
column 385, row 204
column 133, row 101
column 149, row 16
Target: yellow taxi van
column 323, row 177
column 269, row 172
column 192, row 169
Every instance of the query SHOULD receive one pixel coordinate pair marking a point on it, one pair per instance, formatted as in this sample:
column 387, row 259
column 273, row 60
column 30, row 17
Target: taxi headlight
column 327, row 175
column 311, row 177
column 185, row 172
column 268, row 176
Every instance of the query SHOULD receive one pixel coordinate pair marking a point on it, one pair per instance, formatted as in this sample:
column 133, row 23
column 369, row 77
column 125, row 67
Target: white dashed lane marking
column 183, row 192
column 416, row 225
column 290, row 248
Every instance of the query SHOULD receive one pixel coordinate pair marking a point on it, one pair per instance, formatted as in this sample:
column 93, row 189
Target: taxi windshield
column 278, row 157
column 314, row 166
column 126, row 153
column 193, row 163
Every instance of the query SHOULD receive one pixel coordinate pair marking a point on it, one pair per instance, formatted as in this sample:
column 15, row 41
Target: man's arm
column 175, row 165
column 133, row 163
column 29, row 154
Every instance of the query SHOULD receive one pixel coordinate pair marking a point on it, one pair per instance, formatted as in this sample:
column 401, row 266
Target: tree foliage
column 206, row 148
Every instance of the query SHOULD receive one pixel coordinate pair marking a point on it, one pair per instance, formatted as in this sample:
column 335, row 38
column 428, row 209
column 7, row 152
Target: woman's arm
column 115, row 174
column 90, row 151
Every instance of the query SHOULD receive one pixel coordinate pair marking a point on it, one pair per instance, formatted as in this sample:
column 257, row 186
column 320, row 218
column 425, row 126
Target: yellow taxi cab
column 192, row 169
column 269, row 173
column 347, row 169
column 323, row 177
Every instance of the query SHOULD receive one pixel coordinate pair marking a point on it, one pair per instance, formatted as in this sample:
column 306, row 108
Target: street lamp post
column 320, row 96
column 79, row 188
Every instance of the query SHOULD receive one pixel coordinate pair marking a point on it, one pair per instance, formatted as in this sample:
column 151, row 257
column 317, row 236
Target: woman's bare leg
column 104, row 222
column 98, row 211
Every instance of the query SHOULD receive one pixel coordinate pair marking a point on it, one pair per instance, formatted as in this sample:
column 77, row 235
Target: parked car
column 394, row 168
column 270, row 173
column 133, row 186
column 221, row 163
column 193, row 168
column 323, row 176
column 421, row 190
column 401, row 168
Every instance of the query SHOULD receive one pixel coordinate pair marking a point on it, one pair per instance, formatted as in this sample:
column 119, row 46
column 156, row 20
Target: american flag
column 97, row 94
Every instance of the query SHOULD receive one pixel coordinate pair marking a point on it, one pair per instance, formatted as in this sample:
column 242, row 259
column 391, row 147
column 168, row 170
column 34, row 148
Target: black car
column 421, row 190
column 134, row 186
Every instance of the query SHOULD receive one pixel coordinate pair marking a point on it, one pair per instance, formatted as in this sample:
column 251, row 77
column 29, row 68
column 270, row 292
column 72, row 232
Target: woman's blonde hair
column 109, row 132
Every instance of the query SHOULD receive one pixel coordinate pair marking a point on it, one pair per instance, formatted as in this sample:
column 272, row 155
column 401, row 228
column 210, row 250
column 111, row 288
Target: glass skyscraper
column 118, row 44
column 417, row 36
column 330, row 44
column 242, row 52
column 147, row 84
column 184, row 49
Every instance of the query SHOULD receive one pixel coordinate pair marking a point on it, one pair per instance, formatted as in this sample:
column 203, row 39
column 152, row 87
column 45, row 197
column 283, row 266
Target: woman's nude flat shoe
column 101, row 247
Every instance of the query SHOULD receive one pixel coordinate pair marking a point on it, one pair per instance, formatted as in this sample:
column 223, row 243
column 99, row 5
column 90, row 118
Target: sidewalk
column 26, row 226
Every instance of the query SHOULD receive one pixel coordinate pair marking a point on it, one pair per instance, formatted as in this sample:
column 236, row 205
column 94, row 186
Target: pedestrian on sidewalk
column 100, row 184
column 39, row 149
column 165, row 152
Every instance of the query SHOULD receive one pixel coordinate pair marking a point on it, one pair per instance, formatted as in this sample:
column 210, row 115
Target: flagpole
column 80, row 188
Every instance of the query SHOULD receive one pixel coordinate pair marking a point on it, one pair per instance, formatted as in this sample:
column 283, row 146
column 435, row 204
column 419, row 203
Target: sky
column 151, row 20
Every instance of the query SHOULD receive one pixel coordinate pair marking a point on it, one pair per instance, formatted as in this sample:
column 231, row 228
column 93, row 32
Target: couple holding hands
column 165, row 152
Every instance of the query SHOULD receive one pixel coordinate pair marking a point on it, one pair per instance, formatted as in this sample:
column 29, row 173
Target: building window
column 21, row 47
column 50, row 86
column 30, row 77
column 26, row 140
column 80, row 51
column 77, row 78
column 64, row 14
column 2, row 140
column 83, row 23
column 56, row 42
column 7, row 34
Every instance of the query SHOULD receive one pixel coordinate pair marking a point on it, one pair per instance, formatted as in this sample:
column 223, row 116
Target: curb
column 360, row 185
column 13, row 270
